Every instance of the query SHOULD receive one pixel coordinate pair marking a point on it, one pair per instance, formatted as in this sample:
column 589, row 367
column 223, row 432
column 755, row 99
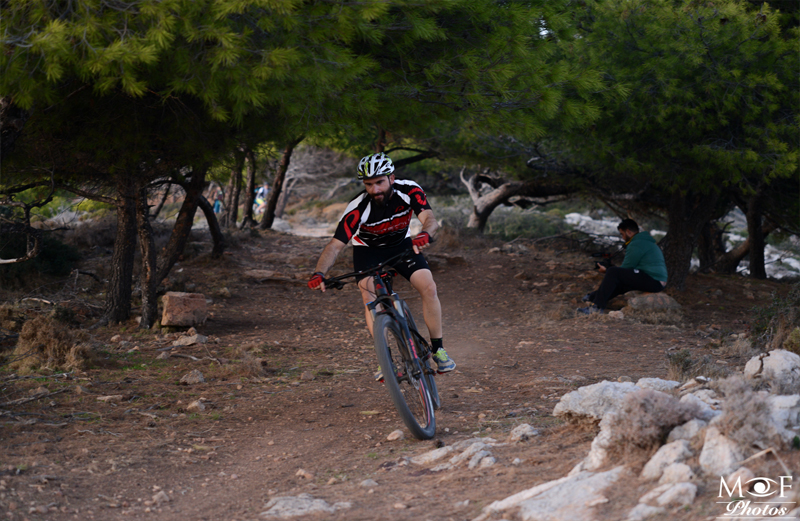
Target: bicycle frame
column 389, row 301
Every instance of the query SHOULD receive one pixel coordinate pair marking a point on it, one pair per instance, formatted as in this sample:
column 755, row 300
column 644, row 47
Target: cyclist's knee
column 428, row 290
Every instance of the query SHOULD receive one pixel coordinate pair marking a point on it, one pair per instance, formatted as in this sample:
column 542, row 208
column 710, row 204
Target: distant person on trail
column 643, row 269
column 261, row 198
column 377, row 221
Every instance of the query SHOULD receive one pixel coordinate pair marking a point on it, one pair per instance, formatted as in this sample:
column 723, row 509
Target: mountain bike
column 403, row 353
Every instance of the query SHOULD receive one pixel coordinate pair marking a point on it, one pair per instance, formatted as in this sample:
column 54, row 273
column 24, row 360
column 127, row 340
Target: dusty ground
column 518, row 345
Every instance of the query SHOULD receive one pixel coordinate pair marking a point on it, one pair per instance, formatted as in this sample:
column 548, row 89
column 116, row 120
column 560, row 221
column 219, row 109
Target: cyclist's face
column 379, row 188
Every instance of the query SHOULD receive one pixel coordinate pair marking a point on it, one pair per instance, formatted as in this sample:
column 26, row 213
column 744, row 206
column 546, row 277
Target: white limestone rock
column 706, row 411
column 598, row 454
column 593, row 402
column 641, row 512
column 779, row 368
column 677, row 473
column 785, row 413
column 674, row 452
column 720, row 455
column 477, row 457
column 468, row 453
column 302, row 505
column 679, row 494
column 429, row 457
column 657, row 384
column 687, row 431
column 572, row 497
column 522, row 432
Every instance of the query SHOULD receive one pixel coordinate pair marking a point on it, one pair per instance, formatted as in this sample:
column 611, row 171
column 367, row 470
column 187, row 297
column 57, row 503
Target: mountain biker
column 377, row 221
column 643, row 269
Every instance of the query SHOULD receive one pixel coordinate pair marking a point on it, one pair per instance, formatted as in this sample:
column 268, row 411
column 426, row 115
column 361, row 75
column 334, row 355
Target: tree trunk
column 213, row 227
column 147, row 245
column 755, row 234
column 183, row 224
column 277, row 185
column 729, row 262
column 118, row 301
column 484, row 205
column 250, row 195
column 163, row 200
column 284, row 198
column 687, row 215
column 236, row 177
column 710, row 246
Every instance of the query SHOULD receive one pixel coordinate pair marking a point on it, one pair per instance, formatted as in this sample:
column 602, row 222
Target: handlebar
column 336, row 282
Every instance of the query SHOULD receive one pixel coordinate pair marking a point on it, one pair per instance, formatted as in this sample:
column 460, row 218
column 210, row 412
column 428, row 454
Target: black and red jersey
column 382, row 225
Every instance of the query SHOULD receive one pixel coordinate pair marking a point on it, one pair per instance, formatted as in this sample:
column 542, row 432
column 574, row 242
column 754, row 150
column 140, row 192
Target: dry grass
column 741, row 348
column 682, row 367
column 746, row 417
column 645, row 420
column 666, row 317
column 47, row 345
column 252, row 363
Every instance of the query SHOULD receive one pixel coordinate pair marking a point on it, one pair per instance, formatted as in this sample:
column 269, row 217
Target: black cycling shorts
column 365, row 257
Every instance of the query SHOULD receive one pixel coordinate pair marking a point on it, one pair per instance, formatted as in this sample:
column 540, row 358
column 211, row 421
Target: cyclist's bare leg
column 422, row 280
column 367, row 287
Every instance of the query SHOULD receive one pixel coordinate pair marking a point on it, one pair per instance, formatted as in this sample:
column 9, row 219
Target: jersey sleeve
column 350, row 221
column 419, row 200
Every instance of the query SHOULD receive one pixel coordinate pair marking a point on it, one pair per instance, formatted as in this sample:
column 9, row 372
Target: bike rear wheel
column 429, row 373
column 410, row 393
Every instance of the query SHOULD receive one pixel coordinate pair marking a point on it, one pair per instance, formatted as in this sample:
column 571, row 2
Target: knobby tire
column 429, row 376
column 411, row 396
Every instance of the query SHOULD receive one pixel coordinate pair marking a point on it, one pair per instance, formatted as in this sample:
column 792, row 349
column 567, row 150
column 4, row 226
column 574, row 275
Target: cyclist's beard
column 383, row 197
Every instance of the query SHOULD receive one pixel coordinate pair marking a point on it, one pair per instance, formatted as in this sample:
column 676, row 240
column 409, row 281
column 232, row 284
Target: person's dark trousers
column 621, row 280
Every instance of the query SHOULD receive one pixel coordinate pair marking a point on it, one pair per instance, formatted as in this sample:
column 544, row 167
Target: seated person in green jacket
column 643, row 269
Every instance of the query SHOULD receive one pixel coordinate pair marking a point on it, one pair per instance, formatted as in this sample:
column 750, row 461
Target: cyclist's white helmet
column 375, row 165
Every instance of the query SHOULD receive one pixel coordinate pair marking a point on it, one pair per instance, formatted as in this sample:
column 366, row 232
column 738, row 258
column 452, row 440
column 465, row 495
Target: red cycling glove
column 421, row 240
column 316, row 280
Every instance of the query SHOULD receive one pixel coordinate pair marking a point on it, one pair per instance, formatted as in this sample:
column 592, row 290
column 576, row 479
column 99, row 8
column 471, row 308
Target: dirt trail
column 518, row 346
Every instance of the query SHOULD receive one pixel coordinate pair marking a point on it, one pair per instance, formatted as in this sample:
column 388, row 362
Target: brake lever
column 335, row 284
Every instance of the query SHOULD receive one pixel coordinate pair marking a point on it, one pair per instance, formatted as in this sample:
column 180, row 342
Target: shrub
column 773, row 324
column 681, row 366
column 46, row 345
column 55, row 259
column 746, row 416
column 646, row 419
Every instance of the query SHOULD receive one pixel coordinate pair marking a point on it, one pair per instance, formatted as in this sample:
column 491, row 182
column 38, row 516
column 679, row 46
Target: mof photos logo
column 756, row 498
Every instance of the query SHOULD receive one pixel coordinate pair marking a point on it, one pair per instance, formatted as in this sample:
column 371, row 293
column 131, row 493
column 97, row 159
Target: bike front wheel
column 429, row 373
column 404, row 379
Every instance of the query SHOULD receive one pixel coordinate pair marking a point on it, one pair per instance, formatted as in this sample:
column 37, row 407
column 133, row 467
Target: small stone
column 190, row 340
column 368, row 483
column 478, row 458
column 487, row 462
column 110, row 399
column 116, row 338
column 516, row 462
column 160, row 497
column 193, row 377
column 431, row 456
column 81, row 390
column 163, row 355
column 39, row 390
column 400, row 506
column 307, row 375
column 624, row 379
column 396, row 435
column 619, row 315
column 304, row 474
column 522, row 432
column 196, row 406
column 191, row 331
column 333, row 481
